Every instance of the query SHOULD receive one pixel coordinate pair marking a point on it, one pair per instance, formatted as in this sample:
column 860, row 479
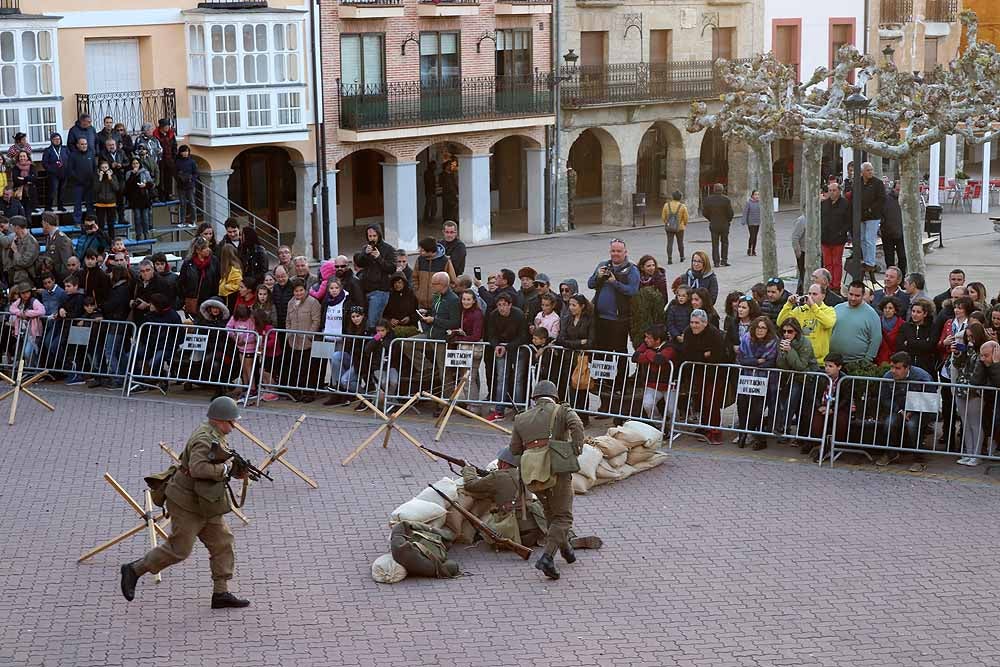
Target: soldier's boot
column 589, row 542
column 227, row 599
column 567, row 553
column 547, row 566
column 129, row 579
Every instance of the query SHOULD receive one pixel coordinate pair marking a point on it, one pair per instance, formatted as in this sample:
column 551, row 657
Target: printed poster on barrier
column 78, row 336
column 458, row 359
column 195, row 342
column 603, row 370
column 751, row 385
column 322, row 349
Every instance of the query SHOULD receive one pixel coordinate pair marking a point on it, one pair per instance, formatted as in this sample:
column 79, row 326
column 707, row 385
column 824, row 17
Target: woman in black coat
column 916, row 336
column 252, row 255
column 199, row 277
column 576, row 333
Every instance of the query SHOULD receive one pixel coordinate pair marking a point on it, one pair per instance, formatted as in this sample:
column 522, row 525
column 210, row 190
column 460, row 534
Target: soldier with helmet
column 535, row 437
column 196, row 498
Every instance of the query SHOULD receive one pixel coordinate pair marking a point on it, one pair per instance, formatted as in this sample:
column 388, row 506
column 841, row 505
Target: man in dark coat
column 835, row 220
column 719, row 211
column 892, row 231
column 377, row 261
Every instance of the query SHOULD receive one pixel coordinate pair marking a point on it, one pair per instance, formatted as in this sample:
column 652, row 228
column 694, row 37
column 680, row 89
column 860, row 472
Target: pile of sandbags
column 624, row 451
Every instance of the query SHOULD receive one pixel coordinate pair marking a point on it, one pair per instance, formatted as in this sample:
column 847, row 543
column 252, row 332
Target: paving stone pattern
column 708, row 560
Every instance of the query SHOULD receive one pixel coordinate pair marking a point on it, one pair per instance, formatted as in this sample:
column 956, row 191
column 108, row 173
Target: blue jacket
column 53, row 155
column 187, row 172
column 613, row 303
column 77, row 132
column 97, row 241
column 52, row 300
column 751, row 352
column 678, row 317
column 80, row 169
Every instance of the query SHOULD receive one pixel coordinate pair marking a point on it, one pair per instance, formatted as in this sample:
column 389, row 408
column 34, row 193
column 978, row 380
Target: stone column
column 331, row 185
column 933, row 198
column 739, row 161
column 474, row 197
column 400, row 204
column 628, row 186
column 959, row 153
column 985, row 207
column 692, row 172
column 950, row 149
column 305, row 220
column 535, row 163
column 217, row 202
column 846, row 155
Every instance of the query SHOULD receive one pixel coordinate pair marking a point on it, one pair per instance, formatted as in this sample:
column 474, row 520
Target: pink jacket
column 33, row 316
column 244, row 333
column 326, row 270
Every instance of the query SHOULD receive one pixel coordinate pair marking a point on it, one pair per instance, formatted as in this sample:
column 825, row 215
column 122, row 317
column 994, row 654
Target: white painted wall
column 815, row 42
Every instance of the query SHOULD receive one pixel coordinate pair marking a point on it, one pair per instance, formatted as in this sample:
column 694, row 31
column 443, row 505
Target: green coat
column 200, row 484
column 799, row 358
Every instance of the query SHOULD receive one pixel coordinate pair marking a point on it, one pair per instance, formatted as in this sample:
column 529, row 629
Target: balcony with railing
column 941, row 11
column 634, row 83
column 400, row 104
column 131, row 107
column 895, row 12
column 232, row 4
column 370, row 9
column 10, row 7
column 522, row 7
column 431, row 8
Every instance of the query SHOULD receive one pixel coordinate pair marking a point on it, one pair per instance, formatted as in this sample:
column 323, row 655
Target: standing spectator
column 285, row 259
column 914, row 287
column 704, row 347
column 503, row 284
column 445, row 313
column 968, row 400
column 80, row 177
column 795, row 353
column 858, row 331
column 836, row 220
column 454, row 247
column 186, row 171
column 432, row 260
column 430, row 193
column 403, row 266
column 112, row 153
column 20, row 252
column 281, row 294
column 115, row 310
column 401, row 308
column 28, row 312
column 774, row 301
column 528, row 296
column 253, row 258
column 648, row 303
column 815, row 318
column 577, row 333
column 751, row 218
column 350, row 282
column 675, row 220
column 993, row 323
column 892, row 230
column 152, row 166
column 892, row 322
column 20, row 144
column 987, row 374
column 701, row 275
column 567, row 289
column 758, row 351
column 167, row 138
column 836, row 423
column 449, row 189
column 55, row 159
column 24, row 179
column 506, row 330
column 547, row 318
column 377, row 261
column 106, row 189
column 471, row 330
column 719, row 211
column 700, row 301
column 977, row 292
column 956, row 278
column 148, row 148
column 139, row 187
column 872, row 191
column 107, row 131
column 124, row 140
column 747, row 312
column 58, row 246
column 303, row 314
column 10, row 206
column 199, row 277
column 233, row 235
column 167, row 277
column 678, row 315
column 614, row 283
column 83, row 129
column 143, row 289
column 93, row 238
column 822, row 278
column 893, row 288
column 230, row 275
column 302, row 272
column 94, row 280
column 950, row 341
column 799, row 249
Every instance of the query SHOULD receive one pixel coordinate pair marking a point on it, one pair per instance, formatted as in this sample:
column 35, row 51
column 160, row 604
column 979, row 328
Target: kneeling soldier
column 196, row 498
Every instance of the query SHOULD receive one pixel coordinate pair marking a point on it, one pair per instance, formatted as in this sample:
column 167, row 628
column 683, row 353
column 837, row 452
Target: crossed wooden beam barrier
column 389, row 424
column 462, row 411
column 277, row 455
column 18, row 386
column 149, row 521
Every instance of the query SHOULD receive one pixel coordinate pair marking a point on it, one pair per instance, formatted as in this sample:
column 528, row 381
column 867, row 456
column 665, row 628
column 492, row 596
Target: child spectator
column 27, row 312
column 242, row 332
column 264, row 301
column 653, row 357
column 543, row 354
column 117, row 248
column 269, row 346
column 547, row 317
column 72, row 303
column 833, row 365
column 86, row 356
column 678, row 314
column 94, row 281
column 373, row 355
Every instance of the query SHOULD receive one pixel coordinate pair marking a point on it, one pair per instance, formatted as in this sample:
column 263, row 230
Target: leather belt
column 535, row 444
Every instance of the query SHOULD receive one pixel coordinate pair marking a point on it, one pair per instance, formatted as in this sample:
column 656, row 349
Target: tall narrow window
column 513, row 52
column 723, row 43
column 661, row 46
column 439, row 59
column 362, row 61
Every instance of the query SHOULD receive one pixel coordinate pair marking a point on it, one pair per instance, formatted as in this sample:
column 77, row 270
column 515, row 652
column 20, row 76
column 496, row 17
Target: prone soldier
column 196, row 498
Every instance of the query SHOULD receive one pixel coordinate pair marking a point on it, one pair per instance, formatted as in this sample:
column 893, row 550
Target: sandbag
column 618, row 461
column 627, row 471
column 420, row 511
column 639, row 454
column 656, row 459
column 387, row 571
column 447, row 486
column 606, row 471
column 589, row 459
column 609, row 446
column 653, row 435
column 581, row 484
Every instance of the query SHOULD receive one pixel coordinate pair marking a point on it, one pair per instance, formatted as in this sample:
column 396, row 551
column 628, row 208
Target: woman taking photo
column 758, row 351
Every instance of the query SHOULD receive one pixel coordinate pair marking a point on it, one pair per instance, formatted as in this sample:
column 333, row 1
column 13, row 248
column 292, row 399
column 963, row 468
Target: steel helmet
column 545, row 388
column 508, row 457
column 224, row 409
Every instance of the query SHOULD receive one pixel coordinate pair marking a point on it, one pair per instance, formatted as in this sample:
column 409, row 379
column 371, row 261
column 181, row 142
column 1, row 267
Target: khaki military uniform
column 503, row 488
column 421, row 550
column 532, row 426
column 197, row 498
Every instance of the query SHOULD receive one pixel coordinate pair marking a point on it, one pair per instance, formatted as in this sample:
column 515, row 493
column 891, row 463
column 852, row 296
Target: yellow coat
column 231, row 283
column 682, row 213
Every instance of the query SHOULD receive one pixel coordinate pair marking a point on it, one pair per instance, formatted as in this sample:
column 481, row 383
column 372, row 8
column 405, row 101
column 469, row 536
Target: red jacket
column 472, row 325
column 888, row 346
column 657, row 365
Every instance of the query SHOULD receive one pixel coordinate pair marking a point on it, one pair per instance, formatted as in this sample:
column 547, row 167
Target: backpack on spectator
column 673, row 221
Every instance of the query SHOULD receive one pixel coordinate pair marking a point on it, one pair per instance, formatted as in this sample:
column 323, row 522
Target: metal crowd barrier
column 418, row 364
column 919, row 418
column 199, row 355
column 606, row 384
column 295, row 362
column 750, row 401
column 84, row 347
column 11, row 344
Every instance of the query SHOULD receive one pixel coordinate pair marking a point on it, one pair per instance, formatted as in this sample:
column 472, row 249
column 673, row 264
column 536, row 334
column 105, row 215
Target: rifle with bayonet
column 461, row 463
column 484, row 530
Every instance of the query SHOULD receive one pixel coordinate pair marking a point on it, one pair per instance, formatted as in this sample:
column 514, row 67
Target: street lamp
column 571, row 57
column 857, row 112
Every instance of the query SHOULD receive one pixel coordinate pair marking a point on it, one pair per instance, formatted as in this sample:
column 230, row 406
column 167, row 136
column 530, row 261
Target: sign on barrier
column 420, row 364
column 83, row 347
column 458, row 359
column 603, row 370
column 752, row 386
column 194, row 342
column 78, row 335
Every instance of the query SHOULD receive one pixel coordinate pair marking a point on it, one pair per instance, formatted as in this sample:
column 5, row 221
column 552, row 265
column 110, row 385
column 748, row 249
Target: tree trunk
column 812, row 158
column 913, row 226
column 765, row 183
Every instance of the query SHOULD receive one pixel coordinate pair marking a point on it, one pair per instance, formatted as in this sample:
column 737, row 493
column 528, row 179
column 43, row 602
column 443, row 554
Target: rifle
column 455, row 461
column 484, row 530
column 253, row 472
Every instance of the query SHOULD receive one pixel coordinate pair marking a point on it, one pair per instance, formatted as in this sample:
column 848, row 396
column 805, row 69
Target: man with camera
column 614, row 282
column 196, row 497
column 377, row 262
column 814, row 317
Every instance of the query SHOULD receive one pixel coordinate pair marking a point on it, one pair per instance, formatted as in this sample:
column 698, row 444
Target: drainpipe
column 321, row 205
column 552, row 223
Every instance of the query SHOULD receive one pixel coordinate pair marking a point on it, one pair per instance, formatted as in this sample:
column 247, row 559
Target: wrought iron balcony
column 416, row 103
column 131, row 107
column 232, row 4
column 941, row 11
column 380, row 3
column 895, row 12
column 10, row 6
column 626, row 83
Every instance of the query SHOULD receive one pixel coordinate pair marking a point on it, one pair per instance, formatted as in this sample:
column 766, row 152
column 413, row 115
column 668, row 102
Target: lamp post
column 857, row 112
